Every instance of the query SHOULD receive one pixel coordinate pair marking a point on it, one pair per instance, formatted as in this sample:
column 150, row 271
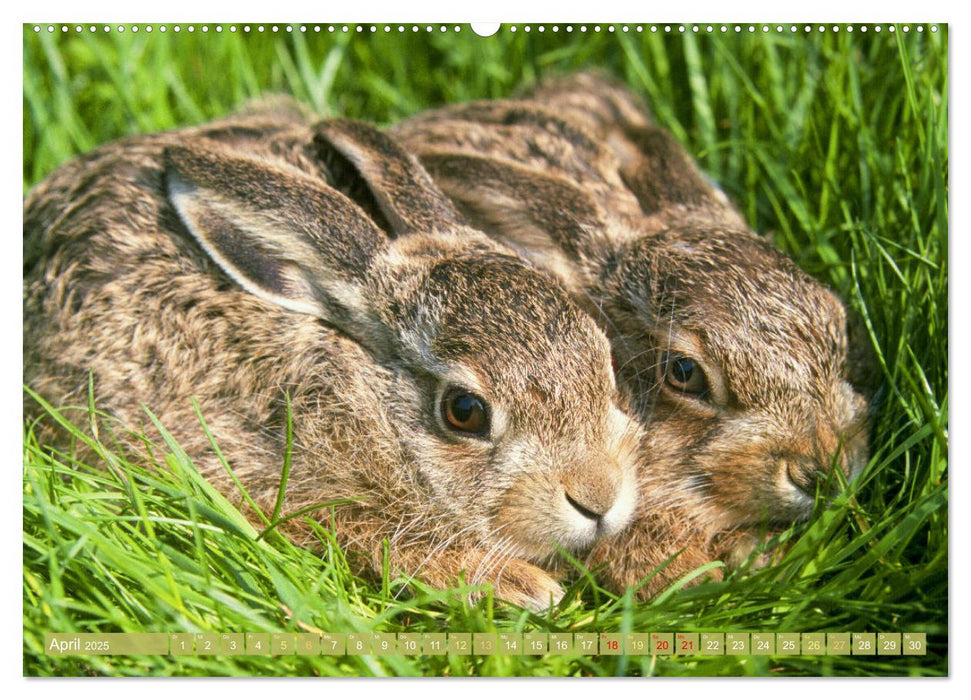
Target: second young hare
column 452, row 391
column 744, row 370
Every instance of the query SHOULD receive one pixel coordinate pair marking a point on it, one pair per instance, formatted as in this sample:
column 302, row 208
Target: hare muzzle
column 597, row 506
column 804, row 474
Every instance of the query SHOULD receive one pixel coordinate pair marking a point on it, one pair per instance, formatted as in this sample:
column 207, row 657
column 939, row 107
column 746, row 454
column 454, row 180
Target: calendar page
column 470, row 350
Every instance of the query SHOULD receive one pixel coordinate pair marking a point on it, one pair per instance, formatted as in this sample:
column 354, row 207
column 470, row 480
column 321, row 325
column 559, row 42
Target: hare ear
column 282, row 235
column 545, row 217
column 379, row 174
column 660, row 173
column 592, row 98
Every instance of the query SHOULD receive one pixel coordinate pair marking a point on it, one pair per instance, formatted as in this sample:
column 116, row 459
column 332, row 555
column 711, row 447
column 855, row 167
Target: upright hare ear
column 660, row 173
column 282, row 235
column 549, row 219
column 377, row 172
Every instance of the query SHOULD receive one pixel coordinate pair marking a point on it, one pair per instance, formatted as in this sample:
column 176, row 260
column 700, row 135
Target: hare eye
column 466, row 412
column 683, row 374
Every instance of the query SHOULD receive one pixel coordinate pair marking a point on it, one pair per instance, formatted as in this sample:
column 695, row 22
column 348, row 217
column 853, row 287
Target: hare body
column 741, row 367
column 454, row 392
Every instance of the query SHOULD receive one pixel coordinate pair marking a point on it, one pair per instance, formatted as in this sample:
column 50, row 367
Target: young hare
column 743, row 369
column 449, row 388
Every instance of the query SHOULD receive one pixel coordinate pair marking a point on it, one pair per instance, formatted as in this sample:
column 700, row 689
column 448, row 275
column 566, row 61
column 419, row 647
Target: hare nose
column 803, row 473
column 595, row 513
column 807, row 472
column 592, row 498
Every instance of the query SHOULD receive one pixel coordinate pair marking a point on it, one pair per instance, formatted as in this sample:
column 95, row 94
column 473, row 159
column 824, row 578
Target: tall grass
column 833, row 143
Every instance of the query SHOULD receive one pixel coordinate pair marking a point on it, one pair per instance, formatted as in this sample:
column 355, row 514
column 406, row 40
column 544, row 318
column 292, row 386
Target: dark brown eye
column 683, row 374
column 465, row 412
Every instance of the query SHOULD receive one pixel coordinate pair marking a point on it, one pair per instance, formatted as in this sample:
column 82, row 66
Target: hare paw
column 527, row 586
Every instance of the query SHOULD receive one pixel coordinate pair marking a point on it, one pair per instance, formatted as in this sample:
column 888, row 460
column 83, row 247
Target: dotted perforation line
column 527, row 28
column 723, row 28
column 247, row 28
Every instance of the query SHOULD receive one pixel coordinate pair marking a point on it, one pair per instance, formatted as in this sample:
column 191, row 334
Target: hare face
column 757, row 399
column 545, row 475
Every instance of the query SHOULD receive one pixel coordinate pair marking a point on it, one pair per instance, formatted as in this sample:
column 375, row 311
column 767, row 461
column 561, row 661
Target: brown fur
column 579, row 181
column 228, row 263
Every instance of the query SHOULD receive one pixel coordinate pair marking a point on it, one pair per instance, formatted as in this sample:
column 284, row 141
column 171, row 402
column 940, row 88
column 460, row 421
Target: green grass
column 833, row 143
